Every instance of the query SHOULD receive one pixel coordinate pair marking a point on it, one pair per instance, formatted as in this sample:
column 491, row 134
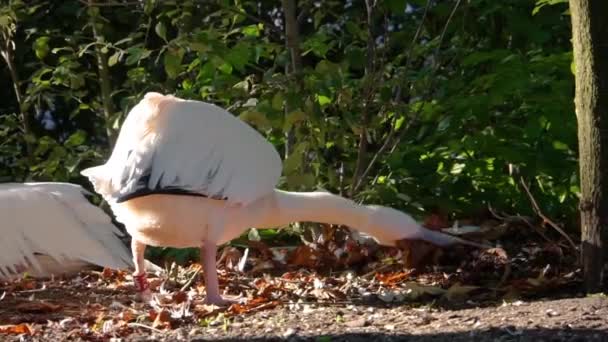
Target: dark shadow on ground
column 502, row 335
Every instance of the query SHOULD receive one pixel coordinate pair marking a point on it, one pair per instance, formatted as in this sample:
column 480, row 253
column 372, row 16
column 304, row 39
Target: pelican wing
column 167, row 143
column 55, row 219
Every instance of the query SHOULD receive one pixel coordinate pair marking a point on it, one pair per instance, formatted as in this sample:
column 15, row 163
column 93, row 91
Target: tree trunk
column 104, row 82
column 292, row 42
column 8, row 56
column 368, row 95
column 590, row 43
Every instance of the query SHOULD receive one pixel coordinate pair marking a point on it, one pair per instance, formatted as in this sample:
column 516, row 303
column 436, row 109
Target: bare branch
column 369, row 90
column 545, row 219
column 267, row 23
column 7, row 53
column 111, row 4
column 389, row 140
column 294, row 69
column 104, row 81
column 518, row 219
column 445, row 27
column 232, row 9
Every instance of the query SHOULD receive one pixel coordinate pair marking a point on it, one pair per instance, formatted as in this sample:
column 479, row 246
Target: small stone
column 427, row 319
column 195, row 331
column 386, row 296
column 357, row 323
column 289, row 332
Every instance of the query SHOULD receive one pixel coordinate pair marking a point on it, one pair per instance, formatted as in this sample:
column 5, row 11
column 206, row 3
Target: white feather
column 168, row 143
column 55, row 219
column 171, row 143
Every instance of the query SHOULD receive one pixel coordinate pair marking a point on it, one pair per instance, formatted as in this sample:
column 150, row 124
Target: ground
column 576, row 319
column 572, row 319
column 526, row 289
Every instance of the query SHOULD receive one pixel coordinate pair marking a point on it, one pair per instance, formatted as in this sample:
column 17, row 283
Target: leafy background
column 438, row 105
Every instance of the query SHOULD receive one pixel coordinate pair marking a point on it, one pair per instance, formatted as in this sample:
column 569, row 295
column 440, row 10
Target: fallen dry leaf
column 391, row 279
column 305, row 256
column 24, row 284
column 127, row 316
column 162, row 320
column 37, row 307
column 418, row 253
column 255, row 304
column 179, row 297
column 114, row 275
column 16, row 329
column 230, row 257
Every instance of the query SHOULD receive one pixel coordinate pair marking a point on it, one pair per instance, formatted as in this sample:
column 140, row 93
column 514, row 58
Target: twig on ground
column 518, row 219
column 191, row 280
column 373, row 272
column 546, row 219
column 43, row 288
column 139, row 325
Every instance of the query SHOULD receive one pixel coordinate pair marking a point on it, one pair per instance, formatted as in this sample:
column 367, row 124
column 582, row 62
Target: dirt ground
column 576, row 319
column 529, row 293
column 570, row 319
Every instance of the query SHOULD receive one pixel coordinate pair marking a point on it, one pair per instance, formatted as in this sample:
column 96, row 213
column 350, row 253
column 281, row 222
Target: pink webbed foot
column 142, row 287
column 221, row 301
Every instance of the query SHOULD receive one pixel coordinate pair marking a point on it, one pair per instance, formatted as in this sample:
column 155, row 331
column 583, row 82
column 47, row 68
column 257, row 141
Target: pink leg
column 139, row 276
column 208, row 260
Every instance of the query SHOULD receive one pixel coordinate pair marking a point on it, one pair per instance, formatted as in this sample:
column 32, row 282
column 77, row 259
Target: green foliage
column 542, row 3
column 469, row 98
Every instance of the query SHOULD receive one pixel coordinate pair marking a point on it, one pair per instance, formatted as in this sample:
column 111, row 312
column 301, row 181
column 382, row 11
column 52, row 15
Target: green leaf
column 41, row 47
column 277, row 101
column 136, row 54
column 399, row 122
column 76, row 139
column 161, row 30
column 355, row 57
column 239, row 55
column 317, row 44
column 256, row 118
column 5, row 21
column 558, row 145
column 444, row 124
column 251, row 30
column 542, row 3
column 253, row 235
column 573, row 67
column 293, row 118
column 294, row 161
column 173, row 61
column 323, row 100
column 122, row 41
column 225, row 68
column 149, row 6
column 306, row 180
column 114, row 58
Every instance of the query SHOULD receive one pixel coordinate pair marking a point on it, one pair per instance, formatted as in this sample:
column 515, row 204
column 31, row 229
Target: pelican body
column 187, row 173
column 51, row 228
